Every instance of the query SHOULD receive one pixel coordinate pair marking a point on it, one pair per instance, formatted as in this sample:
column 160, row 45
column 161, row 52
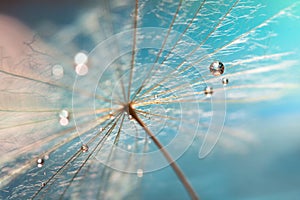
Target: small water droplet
column 130, row 117
column 129, row 147
column 80, row 58
column 40, row 162
column 57, row 71
column 100, row 129
column 63, row 114
column 84, row 148
column 216, row 68
column 64, row 121
column 81, row 69
column 225, row 81
column 111, row 115
column 46, row 157
column 208, row 91
column 155, row 96
column 43, row 184
column 140, row 173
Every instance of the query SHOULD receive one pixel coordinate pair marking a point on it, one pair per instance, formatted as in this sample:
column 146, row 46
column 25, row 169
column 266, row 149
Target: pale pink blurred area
column 24, row 66
column 13, row 34
column 26, row 89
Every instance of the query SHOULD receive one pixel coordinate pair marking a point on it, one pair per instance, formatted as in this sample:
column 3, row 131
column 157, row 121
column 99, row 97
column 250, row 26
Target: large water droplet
column 40, row 162
column 208, row 91
column 84, row 148
column 216, row 68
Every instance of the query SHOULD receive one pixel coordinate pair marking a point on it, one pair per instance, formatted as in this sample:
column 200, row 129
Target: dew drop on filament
column 140, row 173
column 84, row 148
column 40, row 162
column 64, row 121
column 216, row 68
column 208, row 91
column 225, row 81
column 64, row 114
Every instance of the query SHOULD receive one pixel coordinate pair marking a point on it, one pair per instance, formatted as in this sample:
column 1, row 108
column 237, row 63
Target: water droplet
column 100, row 129
column 40, row 162
column 130, row 117
column 64, row 121
column 155, row 96
column 208, row 91
column 81, row 69
column 216, row 68
column 46, row 157
column 63, row 114
column 225, row 81
column 129, row 147
column 80, row 58
column 57, row 71
column 111, row 115
column 84, row 148
column 43, row 184
column 140, row 173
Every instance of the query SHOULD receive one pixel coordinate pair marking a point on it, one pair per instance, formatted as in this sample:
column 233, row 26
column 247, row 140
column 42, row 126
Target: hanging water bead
column 140, row 173
column 225, row 81
column 216, row 68
column 64, row 117
column 57, row 71
column 64, row 114
column 111, row 115
column 84, row 148
column 40, row 162
column 208, row 91
column 64, row 121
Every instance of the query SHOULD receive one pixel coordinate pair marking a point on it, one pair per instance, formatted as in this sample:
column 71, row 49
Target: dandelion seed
column 161, row 102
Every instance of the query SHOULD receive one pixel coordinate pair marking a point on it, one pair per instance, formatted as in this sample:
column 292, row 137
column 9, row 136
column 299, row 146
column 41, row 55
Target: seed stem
column 173, row 164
